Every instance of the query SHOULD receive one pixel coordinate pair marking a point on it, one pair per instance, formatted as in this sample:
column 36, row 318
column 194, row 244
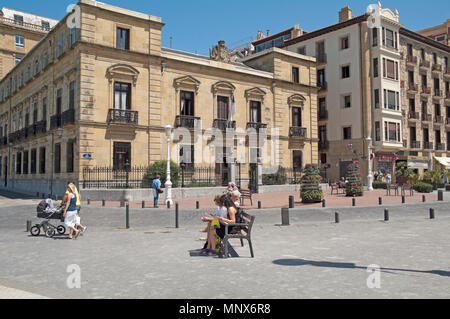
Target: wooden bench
column 246, row 194
column 244, row 233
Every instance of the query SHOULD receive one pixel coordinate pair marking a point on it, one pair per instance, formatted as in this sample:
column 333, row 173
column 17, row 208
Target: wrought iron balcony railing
column 296, row 131
column 415, row 144
column 426, row 117
column 116, row 116
column 324, row 145
column 411, row 59
column 413, row 115
column 428, row 145
column 440, row 147
column 413, row 87
column 438, row 119
column 322, row 85
column 321, row 57
column 323, row 114
column 425, row 90
column 437, row 67
column 41, row 127
column 68, row 117
column 257, row 126
column 55, row 121
column 185, row 121
column 425, row 64
column 223, row 125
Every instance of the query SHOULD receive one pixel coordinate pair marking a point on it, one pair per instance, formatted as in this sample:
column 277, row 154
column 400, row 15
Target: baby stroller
column 47, row 211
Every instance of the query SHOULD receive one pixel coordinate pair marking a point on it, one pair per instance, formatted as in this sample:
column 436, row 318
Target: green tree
column 160, row 168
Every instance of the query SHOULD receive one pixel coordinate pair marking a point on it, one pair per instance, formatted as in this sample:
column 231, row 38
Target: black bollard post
column 143, row 204
column 259, row 205
column 336, row 218
column 291, row 202
column 403, row 199
column 285, row 217
column 43, row 196
column 103, row 203
column 127, row 216
column 122, row 203
column 386, row 215
column 432, row 216
column 176, row 215
column 440, row 196
column 424, row 198
column 324, row 203
column 380, row 201
column 197, row 205
column 28, row 225
column 168, row 205
column 37, row 195
column 89, row 201
column 353, row 202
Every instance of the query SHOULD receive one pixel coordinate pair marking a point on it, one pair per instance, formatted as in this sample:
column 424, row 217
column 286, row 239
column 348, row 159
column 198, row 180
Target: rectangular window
column 375, row 37
column 301, row 50
column 347, row 133
column 377, row 131
column 391, row 69
column 426, row 135
column 42, row 160
column 73, row 36
column 296, row 117
column 17, row 59
column 122, row 96
column 33, row 161
column 25, row 162
column 223, row 108
column 72, row 95
column 412, row 105
column 57, row 163
column 320, row 77
column 45, row 25
column 35, row 112
column 347, row 101
column 295, row 75
column 345, row 72
column 59, row 49
column 19, row 163
column 391, row 102
column 375, row 67
column 20, row 41
column 376, row 95
column 392, row 132
column 123, row 39
column 18, row 19
column 390, row 39
column 69, row 157
column 122, row 155
column 59, row 102
column 44, row 109
column 255, row 112
column 323, row 158
column 422, row 54
column 437, row 110
column 187, row 103
column 187, row 156
column 435, row 61
column 297, row 160
column 345, row 44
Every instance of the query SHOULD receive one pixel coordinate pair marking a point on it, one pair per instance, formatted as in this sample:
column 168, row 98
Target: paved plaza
column 311, row 258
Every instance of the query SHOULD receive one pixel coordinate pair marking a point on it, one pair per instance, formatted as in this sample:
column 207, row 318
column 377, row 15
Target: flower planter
column 354, row 186
column 311, row 192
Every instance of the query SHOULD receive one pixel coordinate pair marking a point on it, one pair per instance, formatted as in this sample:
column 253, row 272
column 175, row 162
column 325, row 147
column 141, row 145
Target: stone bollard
column 386, row 215
column 336, row 218
column 291, row 202
column 177, row 215
column 28, row 225
column 285, row 217
column 432, row 216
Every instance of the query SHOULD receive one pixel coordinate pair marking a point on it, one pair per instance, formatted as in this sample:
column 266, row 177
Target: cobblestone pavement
column 312, row 258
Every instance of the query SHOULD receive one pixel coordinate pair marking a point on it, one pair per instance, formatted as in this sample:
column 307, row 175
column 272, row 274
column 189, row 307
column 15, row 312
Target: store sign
column 386, row 157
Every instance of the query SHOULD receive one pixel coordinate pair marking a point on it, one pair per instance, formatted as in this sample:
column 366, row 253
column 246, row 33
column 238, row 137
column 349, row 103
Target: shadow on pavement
column 13, row 195
column 327, row 264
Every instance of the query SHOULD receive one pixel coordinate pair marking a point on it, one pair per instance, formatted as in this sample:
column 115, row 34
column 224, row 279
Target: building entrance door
column 222, row 166
column 6, row 171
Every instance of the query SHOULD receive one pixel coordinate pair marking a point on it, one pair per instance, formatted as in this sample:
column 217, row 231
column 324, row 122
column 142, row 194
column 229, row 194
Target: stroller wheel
column 35, row 231
column 61, row 230
column 50, row 232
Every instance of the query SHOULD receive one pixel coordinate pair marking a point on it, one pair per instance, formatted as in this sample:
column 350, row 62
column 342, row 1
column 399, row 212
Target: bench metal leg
column 251, row 247
column 242, row 242
column 225, row 244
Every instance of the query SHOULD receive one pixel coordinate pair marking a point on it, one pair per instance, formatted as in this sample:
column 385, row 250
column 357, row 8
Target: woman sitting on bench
column 225, row 201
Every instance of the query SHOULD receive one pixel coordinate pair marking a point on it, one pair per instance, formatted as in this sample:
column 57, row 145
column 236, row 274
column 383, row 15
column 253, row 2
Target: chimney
column 268, row 33
column 345, row 14
column 296, row 32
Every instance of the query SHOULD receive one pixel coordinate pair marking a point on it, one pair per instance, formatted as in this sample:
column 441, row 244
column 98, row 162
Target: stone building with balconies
column 101, row 95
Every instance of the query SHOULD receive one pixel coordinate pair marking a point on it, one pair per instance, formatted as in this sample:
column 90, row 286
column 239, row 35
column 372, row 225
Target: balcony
column 126, row 117
column 55, row 121
column 25, row 25
column 413, row 116
column 321, row 57
column 41, row 127
column 438, row 93
column 3, row 140
column 257, row 126
column 415, row 144
column 447, row 74
column 323, row 114
column 428, row 145
column 223, row 125
column 440, row 147
column 298, row 132
column 438, row 119
column 411, row 60
column 322, row 85
column 426, row 117
column 190, row 122
column 437, row 68
column 31, row 130
column 68, row 117
column 425, row 90
column 447, row 121
column 324, row 145
column 424, row 64
column 413, row 87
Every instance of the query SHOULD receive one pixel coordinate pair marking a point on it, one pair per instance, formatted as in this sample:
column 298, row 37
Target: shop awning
column 444, row 161
column 418, row 164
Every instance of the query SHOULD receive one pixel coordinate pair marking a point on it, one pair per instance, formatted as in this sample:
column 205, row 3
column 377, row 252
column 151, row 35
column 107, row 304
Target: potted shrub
column 311, row 192
column 354, row 186
column 434, row 178
column 422, row 187
column 403, row 174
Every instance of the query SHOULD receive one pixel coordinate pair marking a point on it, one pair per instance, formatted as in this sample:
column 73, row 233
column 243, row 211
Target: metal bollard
column 424, row 198
column 259, row 205
column 324, row 203
column 386, row 215
column 291, row 202
column 285, row 217
column 89, row 201
column 127, row 216
column 43, row 196
column 37, row 195
column 28, row 225
column 143, row 204
column 168, row 205
column 103, row 203
column 197, row 205
column 122, row 203
column 440, row 196
column 177, row 215
column 353, row 202
column 432, row 215
column 403, row 199
column 336, row 218
column 380, row 201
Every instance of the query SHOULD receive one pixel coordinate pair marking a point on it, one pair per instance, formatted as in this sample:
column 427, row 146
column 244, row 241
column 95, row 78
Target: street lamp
column 168, row 183
column 370, row 176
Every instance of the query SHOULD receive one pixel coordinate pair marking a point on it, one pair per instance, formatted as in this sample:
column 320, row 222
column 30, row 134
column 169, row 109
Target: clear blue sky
column 196, row 25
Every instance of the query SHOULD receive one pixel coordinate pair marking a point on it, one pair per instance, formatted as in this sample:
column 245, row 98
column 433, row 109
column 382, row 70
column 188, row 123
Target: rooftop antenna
column 171, row 42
